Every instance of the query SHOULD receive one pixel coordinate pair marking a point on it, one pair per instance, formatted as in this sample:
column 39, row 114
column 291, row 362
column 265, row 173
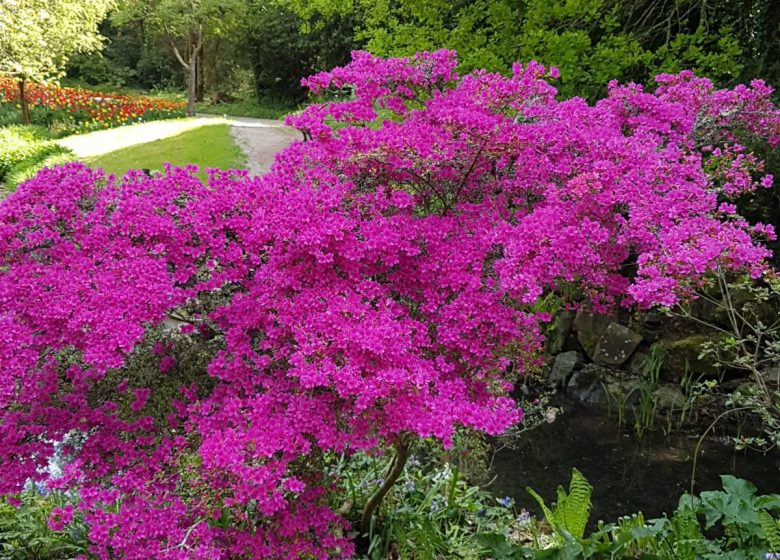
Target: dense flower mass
column 91, row 109
column 199, row 349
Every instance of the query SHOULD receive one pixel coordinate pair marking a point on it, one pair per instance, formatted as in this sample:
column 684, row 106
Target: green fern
column 771, row 528
column 572, row 510
column 548, row 515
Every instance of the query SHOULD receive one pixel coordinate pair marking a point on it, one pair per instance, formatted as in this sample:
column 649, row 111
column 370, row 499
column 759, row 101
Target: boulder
column 599, row 385
column 669, row 397
column 559, row 332
column 681, row 356
column 589, row 328
column 563, row 367
column 770, row 376
column 628, row 390
column 589, row 385
column 652, row 320
column 615, row 346
column 638, row 364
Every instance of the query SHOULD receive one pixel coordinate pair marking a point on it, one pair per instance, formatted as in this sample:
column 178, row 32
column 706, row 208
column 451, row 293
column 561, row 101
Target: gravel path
column 103, row 141
column 261, row 140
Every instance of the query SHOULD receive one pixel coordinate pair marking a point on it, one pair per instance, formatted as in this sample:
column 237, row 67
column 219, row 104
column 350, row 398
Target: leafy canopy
column 591, row 41
column 38, row 36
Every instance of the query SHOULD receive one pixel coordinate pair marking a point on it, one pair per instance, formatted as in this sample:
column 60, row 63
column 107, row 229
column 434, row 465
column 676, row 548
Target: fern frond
column 573, row 510
column 771, row 528
column 548, row 515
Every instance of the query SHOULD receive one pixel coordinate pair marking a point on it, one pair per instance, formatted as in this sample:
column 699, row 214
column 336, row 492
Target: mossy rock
column 589, row 328
column 679, row 352
column 560, row 329
column 616, row 345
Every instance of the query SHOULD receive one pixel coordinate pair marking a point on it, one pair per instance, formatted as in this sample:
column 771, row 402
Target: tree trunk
column 215, row 65
column 23, row 102
column 192, row 87
column 394, row 471
column 194, row 48
column 200, row 83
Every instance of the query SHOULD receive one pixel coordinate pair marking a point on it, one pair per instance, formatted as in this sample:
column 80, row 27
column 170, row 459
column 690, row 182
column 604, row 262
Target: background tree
column 591, row 41
column 133, row 55
column 38, row 36
column 283, row 47
column 185, row 26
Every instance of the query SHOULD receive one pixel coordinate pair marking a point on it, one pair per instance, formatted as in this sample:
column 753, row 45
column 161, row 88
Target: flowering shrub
column 198, row 349
column 91, row 110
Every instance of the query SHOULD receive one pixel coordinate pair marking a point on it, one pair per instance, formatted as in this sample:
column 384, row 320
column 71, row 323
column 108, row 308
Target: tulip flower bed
column 202, row 352
column 85, row 110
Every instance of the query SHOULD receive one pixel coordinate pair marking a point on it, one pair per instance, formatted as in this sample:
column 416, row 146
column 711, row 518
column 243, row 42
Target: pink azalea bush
column 198, row 349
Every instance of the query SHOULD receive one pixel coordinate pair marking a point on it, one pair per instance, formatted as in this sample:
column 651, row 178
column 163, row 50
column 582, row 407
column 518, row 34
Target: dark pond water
column 628, row 475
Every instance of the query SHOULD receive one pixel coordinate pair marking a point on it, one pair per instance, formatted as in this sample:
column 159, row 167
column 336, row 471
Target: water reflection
column 628, row 475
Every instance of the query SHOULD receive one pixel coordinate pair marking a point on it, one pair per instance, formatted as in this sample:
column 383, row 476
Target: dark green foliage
column 283, row 49
column 26, row 535
column 731, row 523
column 591, row 41
column 133, row 56
column 691, row 33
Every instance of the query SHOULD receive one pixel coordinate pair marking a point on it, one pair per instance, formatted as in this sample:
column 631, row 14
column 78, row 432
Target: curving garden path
column 259, row 139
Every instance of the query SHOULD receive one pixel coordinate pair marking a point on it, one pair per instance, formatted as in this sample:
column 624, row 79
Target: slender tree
column 38, row 36
column 186, row 25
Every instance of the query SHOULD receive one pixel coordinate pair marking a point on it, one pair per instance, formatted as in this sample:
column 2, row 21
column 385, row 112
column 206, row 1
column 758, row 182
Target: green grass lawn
column 258, row 109
column 206, row 146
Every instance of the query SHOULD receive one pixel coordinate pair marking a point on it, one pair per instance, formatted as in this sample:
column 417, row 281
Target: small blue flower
column 506, row 501
column 524, row 518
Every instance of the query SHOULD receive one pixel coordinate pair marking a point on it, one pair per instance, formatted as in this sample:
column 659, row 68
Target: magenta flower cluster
column 379, row 281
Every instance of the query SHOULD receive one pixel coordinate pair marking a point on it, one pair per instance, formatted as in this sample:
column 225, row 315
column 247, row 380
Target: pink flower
column 294, row 485
column 60, row 517
column 140, row 398
column 167, row 363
